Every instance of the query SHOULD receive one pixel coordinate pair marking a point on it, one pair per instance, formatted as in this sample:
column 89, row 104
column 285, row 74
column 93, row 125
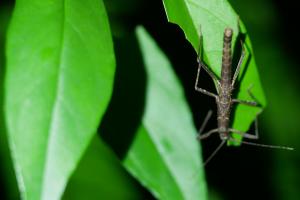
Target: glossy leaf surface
column 60, row 67
column 165, row 154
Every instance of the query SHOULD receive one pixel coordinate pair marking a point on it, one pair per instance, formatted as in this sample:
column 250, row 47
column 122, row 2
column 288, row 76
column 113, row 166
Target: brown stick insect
column 224, row 98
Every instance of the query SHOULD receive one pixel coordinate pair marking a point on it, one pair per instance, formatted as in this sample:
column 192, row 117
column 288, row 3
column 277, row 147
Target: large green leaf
column 165, row 154
column 60, row 67
column 213, row 16
column 100, row 175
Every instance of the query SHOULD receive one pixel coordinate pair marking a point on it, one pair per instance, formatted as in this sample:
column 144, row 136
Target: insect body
column 224, row 98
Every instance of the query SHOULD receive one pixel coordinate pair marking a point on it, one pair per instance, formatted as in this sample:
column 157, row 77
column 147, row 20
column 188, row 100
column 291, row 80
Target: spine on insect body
column 226, row 58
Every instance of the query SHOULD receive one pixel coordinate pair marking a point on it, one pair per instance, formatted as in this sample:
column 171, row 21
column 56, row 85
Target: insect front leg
column 236, row 73
column 201, row 89
column 238, row 68
column 200, row 65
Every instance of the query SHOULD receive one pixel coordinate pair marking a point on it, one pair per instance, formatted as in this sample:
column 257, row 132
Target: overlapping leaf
column 165, row 155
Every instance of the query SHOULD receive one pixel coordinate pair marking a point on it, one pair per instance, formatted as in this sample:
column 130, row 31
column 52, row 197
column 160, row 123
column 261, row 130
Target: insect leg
column 246, row 102
column 201, row 89
column 250, row 93
column 247, row 135
column 206, row 135
column 249, row 103
column 201, row 64
column 214, row 152
column 199, row 60
column 212, row 75
column 237, row 71
column 205, row 121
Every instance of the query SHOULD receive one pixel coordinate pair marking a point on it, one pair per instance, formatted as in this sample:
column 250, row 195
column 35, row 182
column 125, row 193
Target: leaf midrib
column 56, row 98
column 171, row 174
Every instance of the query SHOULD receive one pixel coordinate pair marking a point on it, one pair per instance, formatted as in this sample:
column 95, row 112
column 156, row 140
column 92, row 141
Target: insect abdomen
column 224, row 107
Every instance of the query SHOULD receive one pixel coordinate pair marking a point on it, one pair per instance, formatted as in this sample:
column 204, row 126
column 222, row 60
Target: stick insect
column 224, row 98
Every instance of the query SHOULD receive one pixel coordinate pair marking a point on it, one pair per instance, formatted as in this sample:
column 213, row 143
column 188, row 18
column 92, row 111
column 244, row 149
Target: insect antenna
column 215, row 152
column 268, row 146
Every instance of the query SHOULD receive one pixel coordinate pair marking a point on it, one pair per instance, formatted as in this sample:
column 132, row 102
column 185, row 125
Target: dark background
column 245, row 172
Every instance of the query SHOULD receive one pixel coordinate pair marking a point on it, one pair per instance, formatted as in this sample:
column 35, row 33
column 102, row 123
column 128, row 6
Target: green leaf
column 213, row 16
column 9, row 189
column 101, row 177
column 60, row 68
column 165, row 154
